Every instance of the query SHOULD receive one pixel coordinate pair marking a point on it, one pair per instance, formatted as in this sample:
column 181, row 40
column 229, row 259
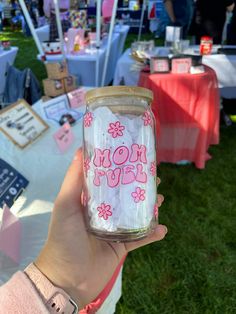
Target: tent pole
column 141, row 20
column 59, row 28
column 109, row 41
column 98, row 39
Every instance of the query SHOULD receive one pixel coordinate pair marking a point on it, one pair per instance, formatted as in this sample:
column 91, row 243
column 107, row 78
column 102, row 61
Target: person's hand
column 74, row 259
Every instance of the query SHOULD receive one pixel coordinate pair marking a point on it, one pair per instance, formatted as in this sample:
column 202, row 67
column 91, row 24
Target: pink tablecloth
column 186, row 108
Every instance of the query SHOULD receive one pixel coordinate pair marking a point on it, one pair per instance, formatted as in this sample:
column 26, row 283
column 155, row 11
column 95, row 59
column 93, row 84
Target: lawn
column 194, row 269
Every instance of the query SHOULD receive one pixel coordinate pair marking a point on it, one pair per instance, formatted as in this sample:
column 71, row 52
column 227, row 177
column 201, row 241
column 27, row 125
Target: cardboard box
column 53, row 88
column 57, row 71
column 69, row 83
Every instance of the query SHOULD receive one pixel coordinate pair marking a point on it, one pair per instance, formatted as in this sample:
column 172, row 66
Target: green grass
column 194, row 269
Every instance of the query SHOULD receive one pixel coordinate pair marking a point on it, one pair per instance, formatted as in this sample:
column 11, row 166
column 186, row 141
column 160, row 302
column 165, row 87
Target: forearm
column 170, row 11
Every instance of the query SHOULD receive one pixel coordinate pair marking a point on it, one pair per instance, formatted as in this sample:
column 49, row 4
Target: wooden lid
column 116, row 91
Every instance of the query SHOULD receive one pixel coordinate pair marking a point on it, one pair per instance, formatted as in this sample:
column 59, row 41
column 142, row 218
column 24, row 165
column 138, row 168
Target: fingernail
column 166, row 230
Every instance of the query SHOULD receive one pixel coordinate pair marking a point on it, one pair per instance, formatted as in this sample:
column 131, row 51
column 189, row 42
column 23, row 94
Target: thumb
column 72, row 185
column 157, row 235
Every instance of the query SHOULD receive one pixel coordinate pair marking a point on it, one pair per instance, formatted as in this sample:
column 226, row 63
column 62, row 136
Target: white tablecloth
column 43, row 165
column 124, row 72
column 223, row 65
column 7, row 56
column 83, row 65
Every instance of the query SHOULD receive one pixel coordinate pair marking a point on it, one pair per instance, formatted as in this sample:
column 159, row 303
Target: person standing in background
column 49, row 10
column 210, row 18
column 13, row 8
column 180, row 13
column 41, row 18
column 231, row 36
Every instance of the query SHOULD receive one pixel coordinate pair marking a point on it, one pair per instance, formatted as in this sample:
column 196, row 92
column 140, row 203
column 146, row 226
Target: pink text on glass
column 125, row 173
column 102, row 158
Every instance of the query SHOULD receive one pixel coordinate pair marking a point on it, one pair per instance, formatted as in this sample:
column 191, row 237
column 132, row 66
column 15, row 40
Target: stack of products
column 59, row 81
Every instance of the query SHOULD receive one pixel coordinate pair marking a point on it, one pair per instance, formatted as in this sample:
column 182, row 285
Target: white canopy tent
column 109, row 41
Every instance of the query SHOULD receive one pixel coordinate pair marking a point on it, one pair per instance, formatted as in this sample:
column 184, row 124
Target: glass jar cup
column 120, row 163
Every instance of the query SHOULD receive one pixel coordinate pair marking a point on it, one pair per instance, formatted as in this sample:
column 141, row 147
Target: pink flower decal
column 88, row 118
column 115, row 129
column 147, row 118
column 153, row 168
column 86, row 165
column 138, row 195
column 156, row 211
column 104, row 211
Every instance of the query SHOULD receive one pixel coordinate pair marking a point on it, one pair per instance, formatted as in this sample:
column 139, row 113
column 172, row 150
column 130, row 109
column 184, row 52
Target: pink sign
column 77, row 98
column 64, row 137
column 10, row 235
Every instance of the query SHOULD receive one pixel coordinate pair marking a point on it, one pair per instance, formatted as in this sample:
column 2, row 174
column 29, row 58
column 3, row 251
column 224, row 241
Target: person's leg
column 1, row 22
column 53, row 34
column 163, row 22
column 65, row 25
column 231, row 34
column 214, row 30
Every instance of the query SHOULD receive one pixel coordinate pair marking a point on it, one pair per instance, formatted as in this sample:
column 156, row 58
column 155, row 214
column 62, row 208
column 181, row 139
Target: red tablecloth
column 186, row 108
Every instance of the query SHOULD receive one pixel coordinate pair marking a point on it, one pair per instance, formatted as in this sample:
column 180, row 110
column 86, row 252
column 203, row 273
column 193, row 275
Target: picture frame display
column 181, row 65
column 21, row 124
column 159, row 65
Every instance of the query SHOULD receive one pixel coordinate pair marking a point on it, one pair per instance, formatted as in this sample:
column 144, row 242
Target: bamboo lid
column 114, row 91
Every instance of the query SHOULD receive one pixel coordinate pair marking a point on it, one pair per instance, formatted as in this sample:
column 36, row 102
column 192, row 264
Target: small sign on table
column 64, row 137
column 77, row 98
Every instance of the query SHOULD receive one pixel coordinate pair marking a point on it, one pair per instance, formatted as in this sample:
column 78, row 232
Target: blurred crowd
column 196, row 17
column 199, row 18
column 11, row 14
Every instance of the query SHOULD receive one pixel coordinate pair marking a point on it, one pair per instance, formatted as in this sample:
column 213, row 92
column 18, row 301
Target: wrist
column 55, row 299
column 48, row 268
